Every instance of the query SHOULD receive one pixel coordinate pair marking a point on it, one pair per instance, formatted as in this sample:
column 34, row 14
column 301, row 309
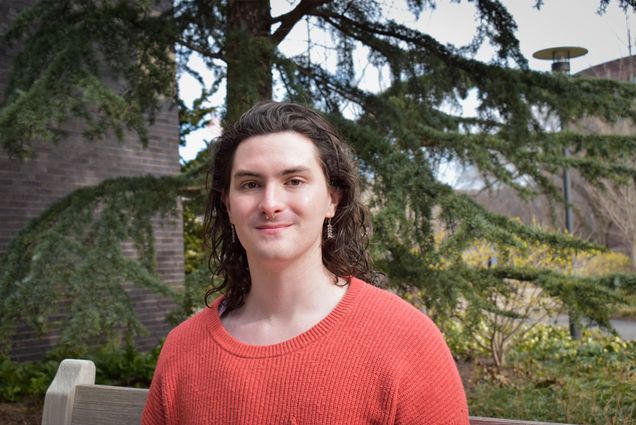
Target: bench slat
column 106, row 405
column 476, row 420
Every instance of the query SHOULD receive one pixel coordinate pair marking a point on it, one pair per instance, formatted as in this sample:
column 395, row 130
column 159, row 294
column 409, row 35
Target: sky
column 557, row 23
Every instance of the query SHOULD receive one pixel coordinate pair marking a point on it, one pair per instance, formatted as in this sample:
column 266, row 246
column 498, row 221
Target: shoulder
column 193, row 325
column 186, row 336
column 387, row 307
column 429, row 389
column 397, row 326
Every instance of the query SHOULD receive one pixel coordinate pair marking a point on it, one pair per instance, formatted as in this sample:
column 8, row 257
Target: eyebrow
column 247, row 173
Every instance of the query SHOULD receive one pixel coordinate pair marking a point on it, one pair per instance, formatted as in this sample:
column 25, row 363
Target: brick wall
column 623, row 69
column 27, row 187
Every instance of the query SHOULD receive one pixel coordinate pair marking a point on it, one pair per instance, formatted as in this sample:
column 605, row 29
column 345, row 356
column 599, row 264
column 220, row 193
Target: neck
column 283, row 293
column 285, row 300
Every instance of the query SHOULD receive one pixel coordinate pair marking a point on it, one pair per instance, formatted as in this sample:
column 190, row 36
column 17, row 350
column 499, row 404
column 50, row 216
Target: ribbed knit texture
column 373, row 360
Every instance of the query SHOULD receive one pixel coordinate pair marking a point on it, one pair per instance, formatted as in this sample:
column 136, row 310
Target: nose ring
column 267, row 217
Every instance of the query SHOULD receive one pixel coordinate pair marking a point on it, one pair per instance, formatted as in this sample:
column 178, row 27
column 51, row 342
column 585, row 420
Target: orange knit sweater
column 373, row 360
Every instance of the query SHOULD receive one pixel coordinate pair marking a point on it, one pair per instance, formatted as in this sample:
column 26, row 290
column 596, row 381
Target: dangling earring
column 329, row 229
column 233, row 233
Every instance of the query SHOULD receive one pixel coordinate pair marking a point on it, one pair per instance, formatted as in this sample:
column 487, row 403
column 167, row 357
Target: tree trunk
column 249, row 52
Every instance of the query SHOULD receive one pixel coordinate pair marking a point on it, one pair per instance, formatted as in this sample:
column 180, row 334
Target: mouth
column 272, row 228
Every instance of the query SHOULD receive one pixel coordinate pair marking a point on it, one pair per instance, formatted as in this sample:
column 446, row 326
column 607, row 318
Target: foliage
column 194, row 202
column 401, row 135
column 554, row 378
column 601, row 264
column 76, row 49
column 192, row 238
column 25, row 379
column 198, row 277
column 124, row 366
column 115, row 365
column 72, row 259
column 461, row 342
column 192, row 298
column 501, row 313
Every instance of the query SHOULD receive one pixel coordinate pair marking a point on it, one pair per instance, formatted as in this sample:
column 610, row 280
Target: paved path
column 625, row 328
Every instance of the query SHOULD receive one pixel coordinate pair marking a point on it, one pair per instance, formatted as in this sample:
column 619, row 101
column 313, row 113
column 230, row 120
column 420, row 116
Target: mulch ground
column 27, row 412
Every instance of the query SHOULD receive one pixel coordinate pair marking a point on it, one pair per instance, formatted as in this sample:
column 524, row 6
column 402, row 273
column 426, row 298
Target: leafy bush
column 460, row 342
column 125, row 367
column 191, row 299
column 28, row 379
column 551, row 377
column 114, row 366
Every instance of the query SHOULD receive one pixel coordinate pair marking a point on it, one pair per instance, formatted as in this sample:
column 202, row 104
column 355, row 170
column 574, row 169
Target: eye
column 249, row 185
column 295, row 182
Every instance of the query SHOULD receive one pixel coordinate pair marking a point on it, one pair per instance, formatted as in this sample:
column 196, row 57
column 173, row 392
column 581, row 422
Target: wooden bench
column 74, row 399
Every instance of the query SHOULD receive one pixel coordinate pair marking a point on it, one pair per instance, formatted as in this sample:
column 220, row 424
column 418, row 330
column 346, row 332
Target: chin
column 271, row 255
column 281, row 252
column 277, row 257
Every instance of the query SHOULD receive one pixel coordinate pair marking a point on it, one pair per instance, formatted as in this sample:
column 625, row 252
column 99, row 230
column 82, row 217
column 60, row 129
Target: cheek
column 313, row 203
column 234, row 207
column 321, row 204
column 238, row 207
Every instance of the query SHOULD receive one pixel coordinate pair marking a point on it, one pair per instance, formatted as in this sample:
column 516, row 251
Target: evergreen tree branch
column 74, row 254
column 290, row 19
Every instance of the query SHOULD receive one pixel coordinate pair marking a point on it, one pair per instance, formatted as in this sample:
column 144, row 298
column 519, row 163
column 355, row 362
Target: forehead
column 276, row 151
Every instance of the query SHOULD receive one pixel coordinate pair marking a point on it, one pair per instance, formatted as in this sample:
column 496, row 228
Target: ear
column 334, row 199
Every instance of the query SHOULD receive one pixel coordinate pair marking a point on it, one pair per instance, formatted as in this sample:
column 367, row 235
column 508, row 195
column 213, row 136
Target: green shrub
column 461, row 345
column 26, row 379
column 125, row 367
column 114, row 366
column 551, row 377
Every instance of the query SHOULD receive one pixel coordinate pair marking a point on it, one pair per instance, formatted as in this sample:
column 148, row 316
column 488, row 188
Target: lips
column 272, row 228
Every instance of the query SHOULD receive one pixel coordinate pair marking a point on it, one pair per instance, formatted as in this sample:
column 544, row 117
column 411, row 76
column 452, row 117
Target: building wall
column 28, row 187
column 623, row 69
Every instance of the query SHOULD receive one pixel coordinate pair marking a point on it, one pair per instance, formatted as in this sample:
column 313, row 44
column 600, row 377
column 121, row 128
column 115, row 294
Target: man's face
column 278, row 199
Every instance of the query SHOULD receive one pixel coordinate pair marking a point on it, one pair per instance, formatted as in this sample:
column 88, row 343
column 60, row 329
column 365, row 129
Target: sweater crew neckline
column 241, row 349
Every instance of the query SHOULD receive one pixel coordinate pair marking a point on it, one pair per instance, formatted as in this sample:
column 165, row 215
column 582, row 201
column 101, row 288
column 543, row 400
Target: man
column 297, row 337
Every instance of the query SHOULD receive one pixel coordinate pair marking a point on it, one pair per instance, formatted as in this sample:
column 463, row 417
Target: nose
column 272, row 201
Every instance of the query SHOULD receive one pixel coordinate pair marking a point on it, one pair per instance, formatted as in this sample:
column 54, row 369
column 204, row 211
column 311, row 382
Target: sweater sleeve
column 153, row 413
column 430, row 390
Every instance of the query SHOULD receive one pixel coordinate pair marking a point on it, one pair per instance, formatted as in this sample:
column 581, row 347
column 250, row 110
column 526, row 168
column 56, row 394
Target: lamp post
column 560, row 57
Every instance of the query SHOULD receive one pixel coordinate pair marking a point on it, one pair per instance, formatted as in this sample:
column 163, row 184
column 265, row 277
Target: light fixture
column 560, row 57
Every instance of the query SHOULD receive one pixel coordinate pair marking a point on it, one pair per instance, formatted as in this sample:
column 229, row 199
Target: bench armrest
column 60, row 396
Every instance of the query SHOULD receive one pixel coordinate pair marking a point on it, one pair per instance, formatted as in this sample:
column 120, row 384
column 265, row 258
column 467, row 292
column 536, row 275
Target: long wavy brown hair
column 344, row 255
